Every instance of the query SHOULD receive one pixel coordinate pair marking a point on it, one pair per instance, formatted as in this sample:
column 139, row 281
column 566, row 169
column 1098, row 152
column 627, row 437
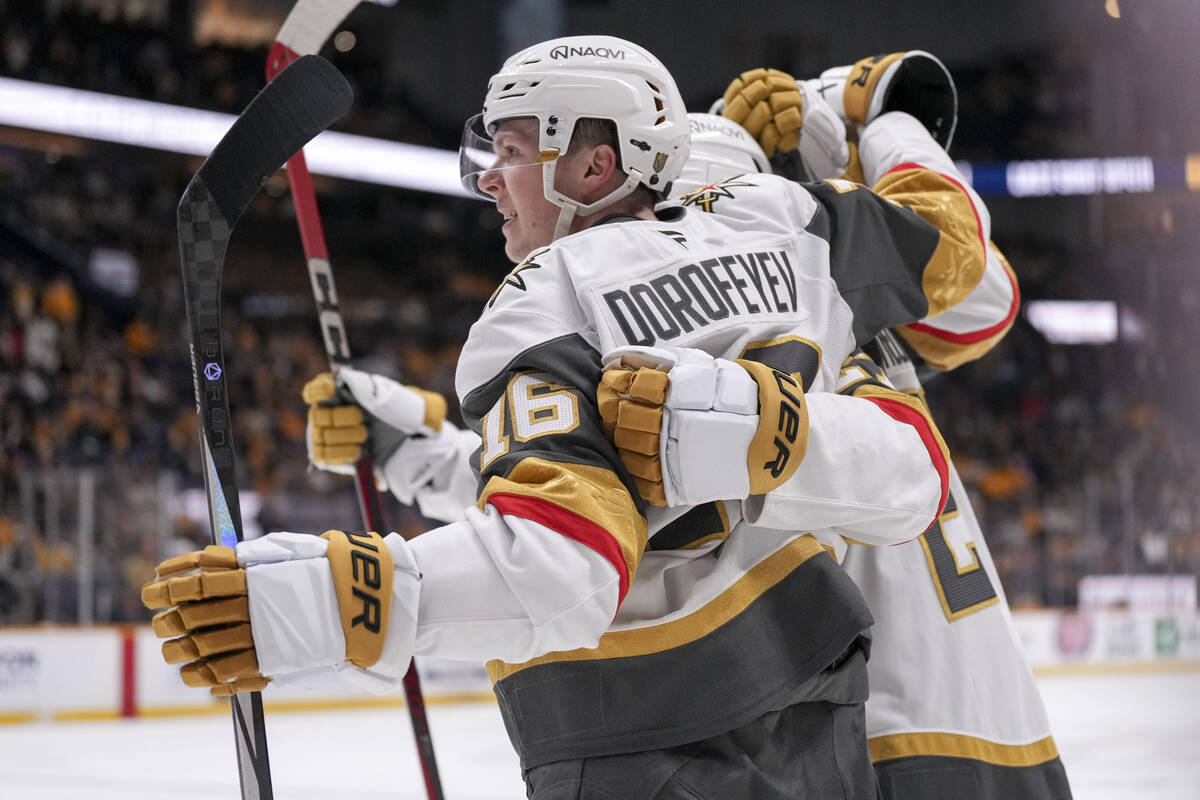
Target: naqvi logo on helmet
column 570, row 51
column 710, row 123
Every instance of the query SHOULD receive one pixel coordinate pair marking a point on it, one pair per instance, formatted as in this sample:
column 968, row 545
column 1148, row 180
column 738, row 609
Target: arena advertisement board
column 1061, row 638
column 40, row 677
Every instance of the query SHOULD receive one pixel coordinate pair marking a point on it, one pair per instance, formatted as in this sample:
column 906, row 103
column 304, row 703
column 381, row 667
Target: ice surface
column 1121, row 738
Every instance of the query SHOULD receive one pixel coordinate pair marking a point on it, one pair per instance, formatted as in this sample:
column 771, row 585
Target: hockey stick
column 307, row 27
column 300, row 103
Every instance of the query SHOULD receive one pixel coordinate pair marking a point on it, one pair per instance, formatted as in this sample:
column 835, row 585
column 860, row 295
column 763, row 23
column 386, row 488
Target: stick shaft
column 305, row 31
column 304, row 100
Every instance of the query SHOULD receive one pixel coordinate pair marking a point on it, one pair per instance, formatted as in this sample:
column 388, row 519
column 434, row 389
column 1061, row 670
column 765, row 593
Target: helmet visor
column 480, row 156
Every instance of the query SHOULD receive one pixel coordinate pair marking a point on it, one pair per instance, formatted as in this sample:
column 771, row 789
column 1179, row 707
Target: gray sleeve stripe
column 571, row 361
column 877, row 256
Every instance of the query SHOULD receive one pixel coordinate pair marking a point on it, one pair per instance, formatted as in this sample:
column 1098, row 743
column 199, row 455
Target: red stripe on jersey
column 907, row 414
column 975, row 336
column 569, row 524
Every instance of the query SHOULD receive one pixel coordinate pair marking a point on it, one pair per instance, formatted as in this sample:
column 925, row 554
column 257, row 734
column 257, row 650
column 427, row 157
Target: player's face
column 515, row 180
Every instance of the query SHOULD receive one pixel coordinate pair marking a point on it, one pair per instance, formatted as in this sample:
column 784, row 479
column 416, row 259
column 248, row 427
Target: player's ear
column 589, row 173
column 601, row 164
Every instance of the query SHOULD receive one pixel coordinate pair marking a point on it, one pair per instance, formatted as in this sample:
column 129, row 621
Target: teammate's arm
column 918, row 83
column 971, row 328
column 419, row 455
column 911, row 247
column 544, row 559
column 893, row 265
column 902, row 163
column 871, row 434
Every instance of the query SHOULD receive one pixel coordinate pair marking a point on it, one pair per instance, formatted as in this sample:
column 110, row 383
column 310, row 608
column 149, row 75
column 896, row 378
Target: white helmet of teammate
column 563, row 80
column 721, row 149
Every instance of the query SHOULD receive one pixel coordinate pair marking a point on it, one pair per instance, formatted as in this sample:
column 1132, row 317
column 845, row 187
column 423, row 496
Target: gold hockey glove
column 207, row 598
column 205, row 594
column 335, row 432
column 631, row 405
column 358, row 408
column 768, row 103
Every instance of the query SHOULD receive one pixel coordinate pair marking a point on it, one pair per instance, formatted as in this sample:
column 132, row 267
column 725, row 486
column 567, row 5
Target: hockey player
column 638, row 652
column 954, row 710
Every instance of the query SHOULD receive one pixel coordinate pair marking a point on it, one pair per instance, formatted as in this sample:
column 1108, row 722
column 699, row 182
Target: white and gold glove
column 287, row 606
column 404, row 428
column 691, row 428
column 783, row 116
column 913, row 81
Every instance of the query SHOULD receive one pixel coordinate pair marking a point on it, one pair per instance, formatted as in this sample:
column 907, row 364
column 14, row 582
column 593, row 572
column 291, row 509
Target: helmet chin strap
column 569, row 209
column 566, row 215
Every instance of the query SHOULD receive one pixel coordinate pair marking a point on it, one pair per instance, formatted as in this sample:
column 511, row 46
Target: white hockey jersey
column 616, row 628
column 954, row 709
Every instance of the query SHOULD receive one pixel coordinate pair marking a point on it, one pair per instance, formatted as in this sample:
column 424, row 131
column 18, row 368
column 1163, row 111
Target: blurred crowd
column 152, row 55
column 1075, row 458
column 1026, row 103
column 93, row 379
column 1070, row 472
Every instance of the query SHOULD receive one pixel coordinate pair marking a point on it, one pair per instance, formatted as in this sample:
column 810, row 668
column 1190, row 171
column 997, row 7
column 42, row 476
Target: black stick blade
column 303, row 100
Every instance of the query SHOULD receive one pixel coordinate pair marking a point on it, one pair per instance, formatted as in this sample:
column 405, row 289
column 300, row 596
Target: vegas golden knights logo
column 705, row 196
column 514, row 278
column 660, row 161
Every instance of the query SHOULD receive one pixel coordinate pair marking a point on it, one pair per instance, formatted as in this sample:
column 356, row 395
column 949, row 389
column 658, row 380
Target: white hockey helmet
column 563, row 80
column 721, row 149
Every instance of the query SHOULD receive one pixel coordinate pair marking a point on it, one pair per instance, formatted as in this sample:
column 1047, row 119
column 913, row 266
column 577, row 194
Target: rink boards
column 65, row 672
column 103, row 672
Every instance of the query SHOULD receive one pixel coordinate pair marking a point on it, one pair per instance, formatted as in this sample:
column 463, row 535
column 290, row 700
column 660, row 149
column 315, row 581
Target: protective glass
column 477, row 156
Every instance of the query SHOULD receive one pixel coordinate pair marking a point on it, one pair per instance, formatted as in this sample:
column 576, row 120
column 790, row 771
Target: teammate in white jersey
column 636, row 651
column 954, row 710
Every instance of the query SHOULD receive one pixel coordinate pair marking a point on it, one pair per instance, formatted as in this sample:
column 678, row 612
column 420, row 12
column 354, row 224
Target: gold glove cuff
column 781, row 440
column 861, row 82
column 362, row 577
